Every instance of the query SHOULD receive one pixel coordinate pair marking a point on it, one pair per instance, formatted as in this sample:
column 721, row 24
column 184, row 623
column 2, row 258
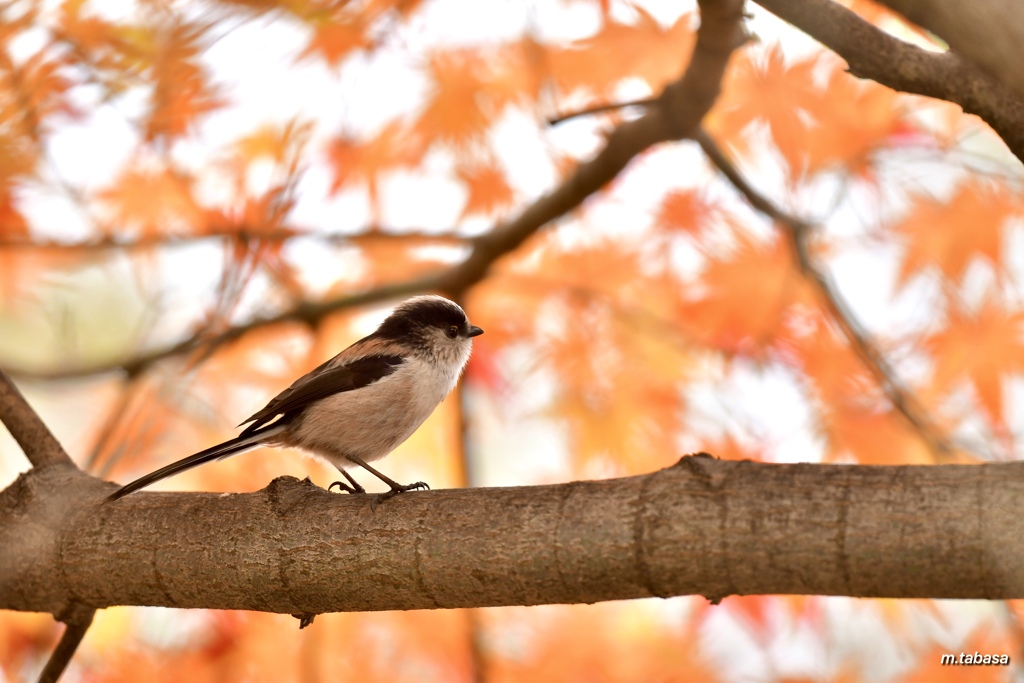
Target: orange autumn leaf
column 511, row 76
column 336, row 38
column 984, row 348
column 854, row 118
column 739, row 303
column 488, row 189
column 102, row 41
column 873, row 437
column 453, row 113
column 766, row 87
column 619, row 386
column 836, row 125
column 642, row 49
column 34, row 93
column 152, row 201
column 13, row 225
column 813, row 345
column 949, row 235
column 181, row 91
column 356, row 161
column 17, row 161
column 685, row 211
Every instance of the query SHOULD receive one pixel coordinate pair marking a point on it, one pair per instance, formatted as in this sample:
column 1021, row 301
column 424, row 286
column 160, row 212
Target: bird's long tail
column 222, row 450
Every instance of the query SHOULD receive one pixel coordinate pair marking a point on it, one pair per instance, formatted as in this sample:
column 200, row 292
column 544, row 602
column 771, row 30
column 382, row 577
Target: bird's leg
column 354, row 488
column 396, row 488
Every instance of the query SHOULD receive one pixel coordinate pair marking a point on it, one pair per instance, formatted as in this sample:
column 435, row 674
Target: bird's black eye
column 452, row 332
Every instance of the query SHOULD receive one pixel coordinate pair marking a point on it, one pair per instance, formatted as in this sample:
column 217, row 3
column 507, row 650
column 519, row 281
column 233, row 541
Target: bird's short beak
column 474, row 331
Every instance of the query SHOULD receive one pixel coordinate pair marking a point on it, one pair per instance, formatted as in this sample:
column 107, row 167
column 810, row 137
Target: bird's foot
column 346, row 488
column 395, row 490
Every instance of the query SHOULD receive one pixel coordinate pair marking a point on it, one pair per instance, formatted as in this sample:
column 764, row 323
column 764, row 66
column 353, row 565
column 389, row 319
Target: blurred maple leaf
column 872, row 436
column 812, row 344
column 454, row 112
column 12, row 223
column 643, row 49
column 765, row 87
column 685, row 211
column 815, row 127
column 395, row 146
column 488, row 189
column 936, row 235
column 34, row 93
column 619, row 365
column 16, row 161
column 984, row 348
column 105, row 50
column 739, row 303
column 335, row 38
column 152, row 201
column 181, row 91
column 853, row 118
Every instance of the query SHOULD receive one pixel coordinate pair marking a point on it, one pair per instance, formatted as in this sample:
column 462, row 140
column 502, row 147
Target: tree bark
column 988, row 32
column 703, row 526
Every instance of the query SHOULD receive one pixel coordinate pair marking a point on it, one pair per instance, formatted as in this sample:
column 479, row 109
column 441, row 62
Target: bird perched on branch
column 360, row 405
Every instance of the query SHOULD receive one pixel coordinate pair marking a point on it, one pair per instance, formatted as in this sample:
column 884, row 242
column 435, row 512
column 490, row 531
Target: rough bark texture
column 988, row 32
column 704, row 526
column 34, row 437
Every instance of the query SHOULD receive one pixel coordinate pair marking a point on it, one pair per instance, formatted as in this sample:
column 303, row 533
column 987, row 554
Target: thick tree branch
column 872, row 53
column 78, row 623
column 798, row 233
column 704, row 526
column 987, row 32
column 35, row 439
column 674, row 115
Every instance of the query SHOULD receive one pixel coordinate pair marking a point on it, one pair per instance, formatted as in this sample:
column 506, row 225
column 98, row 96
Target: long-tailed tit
column 360, row 405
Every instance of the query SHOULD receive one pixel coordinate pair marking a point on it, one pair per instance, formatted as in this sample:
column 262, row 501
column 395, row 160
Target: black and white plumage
column 360, row 405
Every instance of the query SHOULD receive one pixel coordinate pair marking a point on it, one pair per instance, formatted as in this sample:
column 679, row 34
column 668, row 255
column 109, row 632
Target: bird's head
column 433, row 325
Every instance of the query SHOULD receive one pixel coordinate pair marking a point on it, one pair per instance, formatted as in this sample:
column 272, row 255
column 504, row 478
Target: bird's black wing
column 324, row 381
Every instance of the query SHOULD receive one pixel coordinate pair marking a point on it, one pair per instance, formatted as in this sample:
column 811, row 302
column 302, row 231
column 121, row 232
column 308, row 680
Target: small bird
column 360, row 405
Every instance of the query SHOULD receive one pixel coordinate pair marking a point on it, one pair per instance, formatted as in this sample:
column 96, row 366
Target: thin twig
column 798, row 232
column 35, row 439
column 411, row 239
column 600, row 109
column 77, row 625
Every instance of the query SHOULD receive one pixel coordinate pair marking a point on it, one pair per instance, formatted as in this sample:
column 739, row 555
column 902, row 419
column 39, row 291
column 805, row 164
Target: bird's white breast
column 371, row 421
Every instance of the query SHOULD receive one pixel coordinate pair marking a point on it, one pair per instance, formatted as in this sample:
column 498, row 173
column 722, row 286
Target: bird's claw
column 346, row 488
column 381, row 497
